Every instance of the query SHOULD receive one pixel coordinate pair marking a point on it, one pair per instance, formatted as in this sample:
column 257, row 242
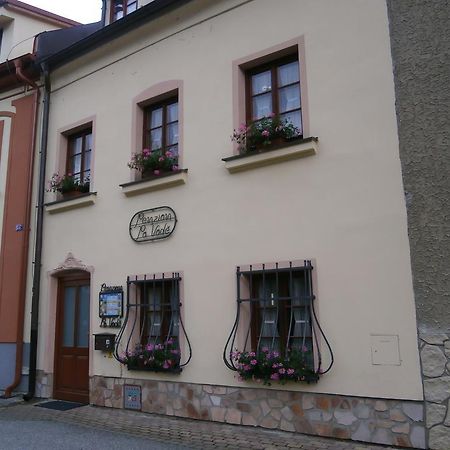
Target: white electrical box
column 385, row 350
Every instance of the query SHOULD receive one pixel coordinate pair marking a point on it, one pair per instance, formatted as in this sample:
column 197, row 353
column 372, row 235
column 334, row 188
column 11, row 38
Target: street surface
column 23, row 426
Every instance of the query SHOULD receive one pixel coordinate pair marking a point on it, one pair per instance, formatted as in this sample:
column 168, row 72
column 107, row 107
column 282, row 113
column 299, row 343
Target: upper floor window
column 274, row 89
column 161, row 126
column 120, row 8
column 78, row 162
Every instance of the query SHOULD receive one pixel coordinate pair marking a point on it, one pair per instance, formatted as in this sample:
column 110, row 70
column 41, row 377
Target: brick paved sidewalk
column 191, row 433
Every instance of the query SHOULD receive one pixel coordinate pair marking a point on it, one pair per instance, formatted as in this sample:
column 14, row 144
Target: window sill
column 163, row 181
column 71, row 203
column 293, row 149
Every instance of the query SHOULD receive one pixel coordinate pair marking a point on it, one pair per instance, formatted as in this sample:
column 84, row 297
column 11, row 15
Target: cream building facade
column 330, row 205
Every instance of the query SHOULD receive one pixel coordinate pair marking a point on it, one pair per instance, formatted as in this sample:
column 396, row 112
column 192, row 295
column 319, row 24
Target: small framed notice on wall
column 110, row 305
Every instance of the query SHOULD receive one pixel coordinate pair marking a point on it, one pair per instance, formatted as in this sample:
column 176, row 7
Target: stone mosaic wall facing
column 435, row 356
column 391, row 422
column 44, row 384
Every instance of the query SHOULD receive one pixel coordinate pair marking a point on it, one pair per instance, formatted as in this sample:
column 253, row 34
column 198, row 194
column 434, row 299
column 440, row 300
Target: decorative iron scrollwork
column 275, row 333
column 153, row 329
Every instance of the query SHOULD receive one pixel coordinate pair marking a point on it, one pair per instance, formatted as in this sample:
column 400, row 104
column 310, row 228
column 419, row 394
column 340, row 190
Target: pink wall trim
column 151, row 95
column 64, row 133
column 240, row 65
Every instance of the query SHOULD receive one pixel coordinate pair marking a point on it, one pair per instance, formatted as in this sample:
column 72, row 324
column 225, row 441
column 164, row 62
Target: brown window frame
column 169, row 307
column 164, row 104
column 273, row 66
column 71, row 138
column 281, row 303
column 125, row 6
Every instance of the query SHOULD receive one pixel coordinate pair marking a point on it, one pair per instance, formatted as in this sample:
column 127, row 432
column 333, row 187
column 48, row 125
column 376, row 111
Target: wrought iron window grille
column 275, row 335
column 149, row 338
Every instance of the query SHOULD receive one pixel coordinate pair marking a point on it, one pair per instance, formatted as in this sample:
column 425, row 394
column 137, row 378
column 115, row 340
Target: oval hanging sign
column 153, row 224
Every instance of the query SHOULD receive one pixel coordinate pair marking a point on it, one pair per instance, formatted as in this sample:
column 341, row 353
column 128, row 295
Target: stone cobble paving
column 193, row 434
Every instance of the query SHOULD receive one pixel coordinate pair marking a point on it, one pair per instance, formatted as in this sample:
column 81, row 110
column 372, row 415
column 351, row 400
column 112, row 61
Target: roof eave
column 143, row 15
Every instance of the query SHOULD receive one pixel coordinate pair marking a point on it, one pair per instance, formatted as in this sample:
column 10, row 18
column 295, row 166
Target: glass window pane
column 69, row 316
column 261, row 82
column 172, row 134
column 131, row 6
column 87, row 160
column 156, row 137
column 174, row 150
column 83, row 317
column 118, row 9
column 289, row 98
column 262, row 106
column 295, row 118
column 172, row 112
column 75, row 164
column 288, row 74
column 76, row 145
column 156, row 118
column 85, row 176
column 88, row 142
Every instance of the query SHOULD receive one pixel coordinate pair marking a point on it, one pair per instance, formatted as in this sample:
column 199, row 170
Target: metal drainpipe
column 38, row 245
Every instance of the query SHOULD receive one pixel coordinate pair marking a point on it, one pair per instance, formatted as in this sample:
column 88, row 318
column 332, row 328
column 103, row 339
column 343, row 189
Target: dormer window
column 120, row 8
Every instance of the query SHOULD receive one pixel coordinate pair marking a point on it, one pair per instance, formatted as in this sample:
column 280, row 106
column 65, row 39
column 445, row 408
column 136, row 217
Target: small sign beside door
column 110, row 306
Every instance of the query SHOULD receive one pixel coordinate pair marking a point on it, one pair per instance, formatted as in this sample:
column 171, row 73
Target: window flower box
column 153, row 163
column 264, row 133
column 68, row 185
column 154, row 357
column 269, row 366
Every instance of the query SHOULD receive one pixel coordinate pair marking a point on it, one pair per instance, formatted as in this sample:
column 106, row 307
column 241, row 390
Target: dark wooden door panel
column 72, row 340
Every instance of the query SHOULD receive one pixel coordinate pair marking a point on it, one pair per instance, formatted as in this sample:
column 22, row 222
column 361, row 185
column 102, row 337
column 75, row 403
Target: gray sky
column 84, row 11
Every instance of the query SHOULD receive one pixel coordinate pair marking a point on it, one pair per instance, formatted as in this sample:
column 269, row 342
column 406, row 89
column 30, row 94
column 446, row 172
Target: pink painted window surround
column 158, row 120
column 77, row 150
column 272, row 81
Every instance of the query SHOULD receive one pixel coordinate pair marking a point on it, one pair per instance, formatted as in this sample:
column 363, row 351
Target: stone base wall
column 44, row 384
column 435, row 356
column 391, row 422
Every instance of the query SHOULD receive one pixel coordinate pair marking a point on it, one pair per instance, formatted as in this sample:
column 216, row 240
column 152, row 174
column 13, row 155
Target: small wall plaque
column 132, row 397
column 110, row 306
column 153, row 224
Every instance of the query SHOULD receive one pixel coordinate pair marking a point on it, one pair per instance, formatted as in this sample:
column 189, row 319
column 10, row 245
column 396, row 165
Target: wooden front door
column 72, row 339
